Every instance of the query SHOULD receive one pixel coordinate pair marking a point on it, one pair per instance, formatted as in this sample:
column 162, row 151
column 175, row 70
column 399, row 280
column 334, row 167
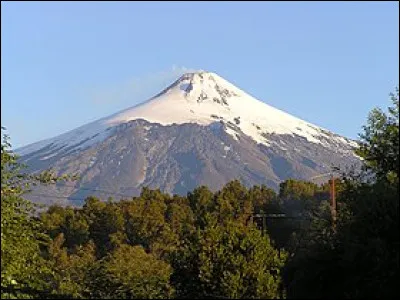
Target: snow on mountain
column 202, row 98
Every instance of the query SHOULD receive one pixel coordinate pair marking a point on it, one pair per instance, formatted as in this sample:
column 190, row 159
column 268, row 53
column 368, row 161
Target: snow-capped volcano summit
column 200, row 130
column 202, row 98
column 205, row 97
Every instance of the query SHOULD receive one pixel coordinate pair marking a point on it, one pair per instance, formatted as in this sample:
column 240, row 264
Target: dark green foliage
column 380, row 141
column 128, row 272
column 22, row 265
column 230, row 260
column 201, row 201
column 71, row 267
column 106, row 224
column 368, row 236
column 173, row 233
column 263, row 199
column 361, row 258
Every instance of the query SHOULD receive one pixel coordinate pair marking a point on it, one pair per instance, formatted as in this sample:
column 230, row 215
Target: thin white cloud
column 135, row 90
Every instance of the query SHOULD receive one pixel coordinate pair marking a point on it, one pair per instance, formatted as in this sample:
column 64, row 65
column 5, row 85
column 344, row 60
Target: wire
column 65, row 197
column 57, row 197
column 94, row 189
column 77, row 199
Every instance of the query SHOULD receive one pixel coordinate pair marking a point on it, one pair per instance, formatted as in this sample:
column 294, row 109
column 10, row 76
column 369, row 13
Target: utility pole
column 332, row 196
column 333, row 201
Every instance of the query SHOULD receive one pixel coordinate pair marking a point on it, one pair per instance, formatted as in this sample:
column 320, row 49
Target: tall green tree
column 231, row 261
column 360, row 259
column 380, row 141
column 22, row 265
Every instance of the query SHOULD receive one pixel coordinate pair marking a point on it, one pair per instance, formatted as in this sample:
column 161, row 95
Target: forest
column 238, row 242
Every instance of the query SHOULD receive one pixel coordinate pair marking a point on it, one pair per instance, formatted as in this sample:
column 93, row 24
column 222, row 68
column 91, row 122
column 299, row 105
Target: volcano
column 200, row 130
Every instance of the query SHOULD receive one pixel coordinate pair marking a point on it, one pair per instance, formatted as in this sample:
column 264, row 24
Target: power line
column 56, row 197
column 78, row 199
column 64, row 197
column 94, row 189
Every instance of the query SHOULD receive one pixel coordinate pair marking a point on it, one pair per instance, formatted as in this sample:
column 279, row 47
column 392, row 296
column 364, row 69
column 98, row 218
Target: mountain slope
column 200, row 130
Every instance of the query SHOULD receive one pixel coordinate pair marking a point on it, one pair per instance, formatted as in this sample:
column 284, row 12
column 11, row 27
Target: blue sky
column 64, row 64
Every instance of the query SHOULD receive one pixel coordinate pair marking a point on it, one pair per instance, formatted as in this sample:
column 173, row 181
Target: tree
column 201, row 202
column 106, row 224
column 71, row 270
column 230, row 260
column 20, row 252
column 179, row 216
column 360, row 259
column 71, row 222
column 369, row 216
column 129, row 272
column 232, row 202
column 380, row 141
column 262, row 198
column 145, row 221
column 22, row 265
